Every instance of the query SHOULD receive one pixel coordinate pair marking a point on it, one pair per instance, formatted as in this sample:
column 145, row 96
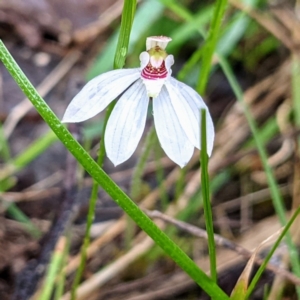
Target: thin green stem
column 206, row 199
column 180, row 183
column 178, row 9
column 136, row 181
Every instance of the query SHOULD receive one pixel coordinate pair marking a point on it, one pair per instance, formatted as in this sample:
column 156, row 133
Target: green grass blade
column 180, row 183
column 126, row 24
column 210, row 45
column 177, row 8
column 278, row 201
column 18, row 163
column 190, row 29
column 296, row 88
column 18, row 215
column 52, row 271
column 206, row 199
column 235, row 31
column 61, row 278
column 28, row 155
column 266, row 132
column 270, row 254
column 189, row 65
column 4, row 148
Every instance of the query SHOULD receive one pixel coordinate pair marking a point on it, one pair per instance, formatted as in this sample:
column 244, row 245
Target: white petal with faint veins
column 185, row 114
column 126, row 123
column 98, row 93
column 196, row 103
column 169, row 130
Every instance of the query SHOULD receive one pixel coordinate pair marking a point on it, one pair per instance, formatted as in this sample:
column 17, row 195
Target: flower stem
column 206, row 199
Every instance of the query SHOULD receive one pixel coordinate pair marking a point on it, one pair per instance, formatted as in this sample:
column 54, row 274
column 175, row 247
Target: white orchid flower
column 176, row 107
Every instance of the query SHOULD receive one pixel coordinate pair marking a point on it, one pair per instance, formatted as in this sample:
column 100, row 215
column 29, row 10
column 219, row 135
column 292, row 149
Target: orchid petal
column 126, row 123
column 185, row 114
column 144, row 59
column 169, row 131
column 196, row 103
column 98, row 93
column 169, row 62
